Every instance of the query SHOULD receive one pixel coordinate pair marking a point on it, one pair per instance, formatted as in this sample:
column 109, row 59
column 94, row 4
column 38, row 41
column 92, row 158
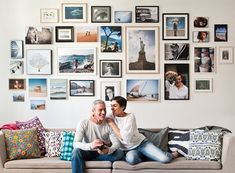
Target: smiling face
column 116, row 109
column 99, row 112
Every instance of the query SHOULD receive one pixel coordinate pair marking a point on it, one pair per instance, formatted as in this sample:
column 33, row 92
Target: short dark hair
column 121, row 101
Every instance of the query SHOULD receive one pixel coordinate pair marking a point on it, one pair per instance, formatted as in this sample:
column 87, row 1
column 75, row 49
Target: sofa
column 180, row 165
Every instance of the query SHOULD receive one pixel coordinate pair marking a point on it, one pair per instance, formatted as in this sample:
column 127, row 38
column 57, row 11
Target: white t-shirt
column 178, row 93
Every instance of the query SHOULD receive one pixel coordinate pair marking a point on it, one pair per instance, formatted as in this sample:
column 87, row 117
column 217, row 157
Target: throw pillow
column 159, row 139
column 35, row 122
column 205, row 145
column 178, row 140
column 67, row 148
column 53, row 143
column 21, row 144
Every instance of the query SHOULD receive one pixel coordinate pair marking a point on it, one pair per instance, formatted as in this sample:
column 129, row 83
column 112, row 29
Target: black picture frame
column 220, row 32
column 110, row 68
column 64, row 33
column 82, row 87
column 147, row 14
column 100, row 14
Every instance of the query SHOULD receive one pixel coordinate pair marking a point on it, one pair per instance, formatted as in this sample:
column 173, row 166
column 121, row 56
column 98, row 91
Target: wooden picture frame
column 100, row 14
column 147, row 14
column 110, row 68
column 81, row 87
column 74, row 12
column 64, row 34
column 49, row 15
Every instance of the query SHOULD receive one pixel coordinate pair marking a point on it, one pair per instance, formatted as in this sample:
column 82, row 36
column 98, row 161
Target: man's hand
column 105, row 150
column 96, row 143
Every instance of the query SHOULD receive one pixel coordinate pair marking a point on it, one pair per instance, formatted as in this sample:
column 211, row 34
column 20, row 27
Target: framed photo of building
column 58, row 89
column 38, row 35
column 175, row 26
column 147, row 14
column 110, row 68
column 17, row 49
column 176, row 51
column 18, row 97
column 110, row 90
column 122, row 16
column 74, row 12
column 82, row 87
column 49, row 15
column 64, row 34
column 100, row 14
column 142, row 49
column 226, row 55
column 220, row 32
column 37, row 87
column 17, row 84
column 203, row 85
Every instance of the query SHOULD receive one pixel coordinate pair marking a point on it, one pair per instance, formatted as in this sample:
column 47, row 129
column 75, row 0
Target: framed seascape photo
column 49, row 15
column 110, row 90
column 111, row 39
column 226, row 55
column 17, row 84
column 221, row 32
column 175, row 26
column 204, row 59
column 200, row 36
column 147, row 14
column 17, row 49
column 143, row 90
column 38, row 35
column 201, row 22
column 176, row 51
column 142, row 49
column 58, row 89
column 39, row 61
column 100, row 14
column 203, row 85
column 74, row 12
column 37, row 104
column 18, row 97
column 37, row 87
column 17, row 67
column 87, row 33
column 64, row 33
column 110, row 68
column 123, row 16
column 82, row 87
column 76, row 61
column 176, row 81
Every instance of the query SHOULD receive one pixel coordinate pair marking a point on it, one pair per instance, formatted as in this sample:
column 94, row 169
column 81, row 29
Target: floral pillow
column 53, row 142
column 21, row 144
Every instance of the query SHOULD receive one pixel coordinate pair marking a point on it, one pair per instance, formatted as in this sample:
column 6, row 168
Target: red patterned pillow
column 35, row 123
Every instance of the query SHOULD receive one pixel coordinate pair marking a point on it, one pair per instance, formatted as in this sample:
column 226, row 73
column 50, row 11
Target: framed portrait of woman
column 110, row 68
column 109, row 90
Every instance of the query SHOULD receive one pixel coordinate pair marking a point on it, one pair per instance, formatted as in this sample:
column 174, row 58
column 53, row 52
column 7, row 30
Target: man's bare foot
column 175, row 154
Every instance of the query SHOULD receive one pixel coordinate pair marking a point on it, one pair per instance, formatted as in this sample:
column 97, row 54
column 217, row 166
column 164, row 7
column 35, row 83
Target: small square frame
column 64, row 33
column 100, row 14
column 74, row 12
column 110, row 68
column 226, row 55
column 49, row 15
column 81, row 87
column 203, row 85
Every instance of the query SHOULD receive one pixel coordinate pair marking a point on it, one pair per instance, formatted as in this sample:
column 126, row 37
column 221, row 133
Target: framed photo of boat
column 100, row 14
column 82, row 87
column 143, row 90
column 74, row 12
column 110, row 90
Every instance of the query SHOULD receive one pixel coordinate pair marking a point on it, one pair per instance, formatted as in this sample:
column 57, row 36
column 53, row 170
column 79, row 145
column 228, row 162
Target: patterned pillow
column 35, row 122
column 53, row 143
column 67, row 148
column 21, row 144
column 205, row 145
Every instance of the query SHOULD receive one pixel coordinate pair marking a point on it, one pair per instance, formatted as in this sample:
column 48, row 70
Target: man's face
column 99, row 112
column 178, row 80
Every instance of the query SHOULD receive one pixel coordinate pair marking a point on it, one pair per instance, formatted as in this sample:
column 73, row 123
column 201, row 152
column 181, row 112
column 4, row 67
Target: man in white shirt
column 95, row 140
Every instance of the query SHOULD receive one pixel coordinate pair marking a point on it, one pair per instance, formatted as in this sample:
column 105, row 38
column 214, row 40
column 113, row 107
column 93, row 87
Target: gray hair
column 96, row 102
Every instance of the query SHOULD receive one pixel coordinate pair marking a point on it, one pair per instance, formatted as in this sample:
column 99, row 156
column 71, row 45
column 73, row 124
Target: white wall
column 216, row 108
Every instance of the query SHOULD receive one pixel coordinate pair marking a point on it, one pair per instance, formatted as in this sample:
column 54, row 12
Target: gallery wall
column 202, row 108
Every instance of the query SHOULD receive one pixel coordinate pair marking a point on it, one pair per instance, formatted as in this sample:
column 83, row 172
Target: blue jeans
column 80, row 156
column 147, row 150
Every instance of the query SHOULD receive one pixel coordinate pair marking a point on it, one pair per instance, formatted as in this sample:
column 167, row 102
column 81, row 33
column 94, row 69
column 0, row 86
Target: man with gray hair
column 94, row 140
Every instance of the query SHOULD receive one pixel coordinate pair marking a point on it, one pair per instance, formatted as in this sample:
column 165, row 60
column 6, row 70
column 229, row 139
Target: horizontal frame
column 49, row 15
column 176, row 51
column 201, row 22
column 147, row 14
column 203, row 85
column 226, row 55
column 123, row 16
column 74, row 12
column 38, row 35
column 201, row 36
column 81, row 87
column 17, row 84
column 100, row 14
column 109, row 90
column 110, row 68
column 64, row 33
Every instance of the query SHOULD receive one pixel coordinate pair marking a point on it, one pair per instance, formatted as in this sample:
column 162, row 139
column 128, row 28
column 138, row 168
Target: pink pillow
column 32, row 123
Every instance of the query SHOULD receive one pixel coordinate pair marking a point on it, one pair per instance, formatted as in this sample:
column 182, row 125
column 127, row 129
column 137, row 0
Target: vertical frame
column 58, row 89
column 220, row 32
column 226, row 55
column 17, row 50
column 110, row 90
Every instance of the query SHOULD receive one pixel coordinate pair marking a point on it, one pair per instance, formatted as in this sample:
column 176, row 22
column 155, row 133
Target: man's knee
column 133, row 157
column 77, row 153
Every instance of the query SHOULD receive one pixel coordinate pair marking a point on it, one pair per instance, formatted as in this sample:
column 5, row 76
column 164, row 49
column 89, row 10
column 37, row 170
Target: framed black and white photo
column 203, row 85
column 100, row 14
column 49, row 15
column 201, row 22
column 74, row 12
column 110, row 68
column 226, row 55
column 17, row 49
column 82, row 87
column 176, row 51
column 110, row 90
column 38, row 35
column 64, row 33
column 147, row 14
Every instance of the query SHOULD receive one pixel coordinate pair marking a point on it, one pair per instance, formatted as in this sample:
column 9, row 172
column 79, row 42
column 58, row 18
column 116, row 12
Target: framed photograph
column 176, row 51
column 142, row 49
column 109, row 90
column 226, row 55
column 143, row 90
column 49, row 15
column 58, row 89
column 38, row 35
column 74, row 12
column 221, row 32
column 204, row 59
column 82, row 87
column 18, row 97
column 110, row 68
column 176, row 80
column 100, row 14
column 123, row 16
column 111, row 39
column 17, row 84
column 77, row 61
column 39, row 61
column 37, row 104
column 147, row 14
column 37, row 87
column 17, row 67
column 201, row 22
column 175, row 26
column 64, row 33
column 17, row 49
column 87, row 33
column 200, row 36
column 203, row 85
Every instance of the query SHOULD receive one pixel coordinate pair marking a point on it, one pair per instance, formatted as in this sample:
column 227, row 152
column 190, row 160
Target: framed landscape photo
column 17, row 49
column 64, row 33
column 147, row 14
column 100, row 14
column 37, row 87
column 142, row 49
column 203, row 85
column 122, row 16
column 175, row 26
column 17, row 84
column 87, row 33
column 38, row 35
column 110, row 68
column 226, row 55
column 82, row 87
column 74, row 12
column 37, row 104
column 176, row 51
column 220, row 32
column 49, row 15
column 58, row 89
column 110, row 90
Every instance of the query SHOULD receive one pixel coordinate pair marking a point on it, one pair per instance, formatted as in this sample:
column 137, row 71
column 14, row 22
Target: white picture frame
column 109, row 90
column 226, row 55
column 49, row 15
column 203, row 85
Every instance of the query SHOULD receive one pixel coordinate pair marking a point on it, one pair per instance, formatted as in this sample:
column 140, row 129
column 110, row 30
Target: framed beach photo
column 38, row 35
column 76, row 61
column 226, row 55
column 201, row 36
column 109, row 90
column 37, row 87
column 87, row 33
column 64, row 34
column 142, row 49
column 74, row 12
column 100, row 14
column 175, row 26
column 176, row 51
column 82, row 87
column 220, row 32
column 17, row 67
column 17, row 49
column 17, row 84
column 122, row 16
column 201, row 22
column 37, row 104
column 147, row 14
column 203, row 85
column 110, row 68
column 58, row 89
column 49, row 15
column 39, row 61
column 143, row 90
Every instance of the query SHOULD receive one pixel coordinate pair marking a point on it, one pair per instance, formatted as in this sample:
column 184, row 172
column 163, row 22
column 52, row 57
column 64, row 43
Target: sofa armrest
column 228, row 153
column 3, row 154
